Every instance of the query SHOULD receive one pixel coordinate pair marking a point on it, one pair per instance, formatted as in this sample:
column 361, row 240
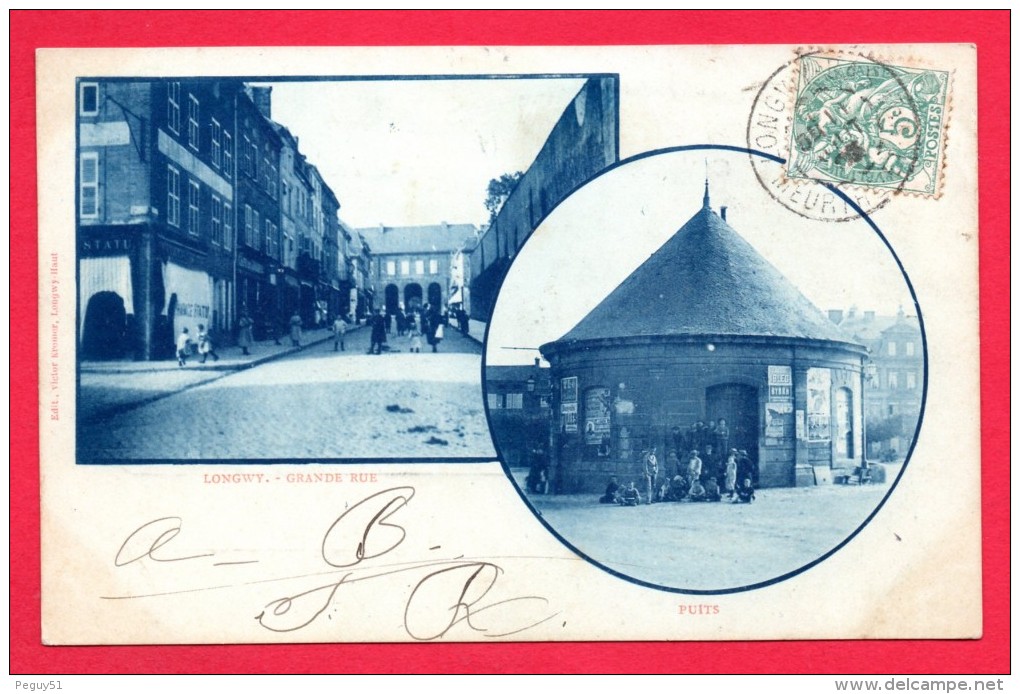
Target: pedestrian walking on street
column 339, row 330
column 434, row 326
column 183, row 342
column 205, row 345
column 245, row 338
column 295, row 330
column 378, row 333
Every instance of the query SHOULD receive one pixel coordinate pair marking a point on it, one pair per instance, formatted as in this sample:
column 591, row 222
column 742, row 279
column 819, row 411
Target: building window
column 391, row 267
column 893, row 380
column 193, row 193
column 246, row 155
column 892, row 349
column 272, row 243
column 515, row 401
column 543, row 401
column 247, row 225
column 88, row 99
column 216, row 220
column 495, row 401
column 911, row 380
column 285, row 194
column 228, row 154
column 228, row 226
column 419, row 267
column 254, row 160
column 405, row 267
column 217, row 144
column 433, row 267
column 88, row 200
column 909, row 346
column 173, row 197
column 193, row 122
column 173, row 107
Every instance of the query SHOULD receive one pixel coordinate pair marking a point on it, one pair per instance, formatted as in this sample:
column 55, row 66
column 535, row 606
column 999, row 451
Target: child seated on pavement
column 697, row 492
column 612, row 492
column 630, row 496
column 712, row 490
column 745, row 492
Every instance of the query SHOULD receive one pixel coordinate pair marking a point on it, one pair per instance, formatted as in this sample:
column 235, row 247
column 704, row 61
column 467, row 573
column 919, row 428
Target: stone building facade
column 584, row 141
column 179, row 215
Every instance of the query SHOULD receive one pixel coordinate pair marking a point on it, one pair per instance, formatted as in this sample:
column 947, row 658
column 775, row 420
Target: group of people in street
column 693, row 479
column 426, row 322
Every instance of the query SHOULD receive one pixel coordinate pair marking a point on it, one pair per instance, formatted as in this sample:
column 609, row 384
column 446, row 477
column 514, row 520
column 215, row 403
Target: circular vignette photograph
column 696, row 388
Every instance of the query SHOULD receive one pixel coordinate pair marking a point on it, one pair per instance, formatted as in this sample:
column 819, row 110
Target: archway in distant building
column 392, row 298
column 412, row 296
column 105, row 327
column 435, row 294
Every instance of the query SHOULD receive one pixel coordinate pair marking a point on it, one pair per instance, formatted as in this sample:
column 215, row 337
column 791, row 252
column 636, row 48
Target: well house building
column 705, row 330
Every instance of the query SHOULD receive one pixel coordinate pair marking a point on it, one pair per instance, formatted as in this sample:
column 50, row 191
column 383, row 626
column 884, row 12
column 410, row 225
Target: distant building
column 895, row 381
column 724, row 339
column 359, row 258
column 414, row 265
column 584, row 141
column 519, row 400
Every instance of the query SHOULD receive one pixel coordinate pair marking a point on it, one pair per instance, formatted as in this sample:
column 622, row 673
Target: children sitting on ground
column 697, row 491
column 677, row 488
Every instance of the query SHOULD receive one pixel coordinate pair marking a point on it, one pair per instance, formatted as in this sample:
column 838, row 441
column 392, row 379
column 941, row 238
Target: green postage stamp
column 870, row 124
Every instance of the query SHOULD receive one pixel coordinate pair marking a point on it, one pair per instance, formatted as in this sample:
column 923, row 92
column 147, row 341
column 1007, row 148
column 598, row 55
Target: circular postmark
column 844, row 121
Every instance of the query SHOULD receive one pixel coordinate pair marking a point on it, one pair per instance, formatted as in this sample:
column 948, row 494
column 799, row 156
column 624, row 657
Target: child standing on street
column 415, row 340
column 183, row 340
column 205, row 345
column 339, row 331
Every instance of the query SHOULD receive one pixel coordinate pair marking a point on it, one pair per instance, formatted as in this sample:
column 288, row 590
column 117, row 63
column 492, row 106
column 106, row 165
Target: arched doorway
column 435, row 294
column 412, row 296
column 392, row 298
column 738, row 405
column 105, row 327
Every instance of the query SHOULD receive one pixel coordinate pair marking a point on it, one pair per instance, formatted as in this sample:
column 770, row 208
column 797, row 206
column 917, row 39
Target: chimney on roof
column 263, row 99
column 869, row 316
column 537, row 361
column 722, row 212
column 836, row 315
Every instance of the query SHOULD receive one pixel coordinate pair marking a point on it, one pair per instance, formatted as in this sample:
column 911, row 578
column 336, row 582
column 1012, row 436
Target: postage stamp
column 842, row 120
column 869, row 124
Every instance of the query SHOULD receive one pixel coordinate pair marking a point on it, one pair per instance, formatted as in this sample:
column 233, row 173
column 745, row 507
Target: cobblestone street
column 312, row 404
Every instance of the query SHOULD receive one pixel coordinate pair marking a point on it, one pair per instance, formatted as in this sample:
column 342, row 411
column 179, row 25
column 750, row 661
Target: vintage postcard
column 532, row 344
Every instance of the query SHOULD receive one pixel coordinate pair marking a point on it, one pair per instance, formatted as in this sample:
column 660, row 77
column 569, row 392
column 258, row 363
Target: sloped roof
column 431, row 238
column 706, row 280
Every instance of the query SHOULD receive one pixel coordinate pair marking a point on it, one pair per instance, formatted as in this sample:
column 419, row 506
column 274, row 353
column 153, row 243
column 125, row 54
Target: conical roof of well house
column 706, row 280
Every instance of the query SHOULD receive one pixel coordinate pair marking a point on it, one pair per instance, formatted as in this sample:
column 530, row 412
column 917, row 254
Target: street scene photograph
column 303, row 269
column 717, row 394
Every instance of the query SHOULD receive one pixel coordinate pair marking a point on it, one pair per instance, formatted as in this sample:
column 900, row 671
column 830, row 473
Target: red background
column 989, row 30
